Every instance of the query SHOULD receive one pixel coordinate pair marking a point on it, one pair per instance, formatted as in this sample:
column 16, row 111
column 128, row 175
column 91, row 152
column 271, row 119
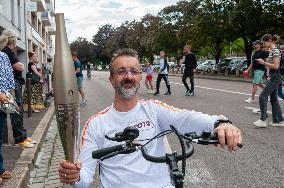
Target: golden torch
column 65, row 91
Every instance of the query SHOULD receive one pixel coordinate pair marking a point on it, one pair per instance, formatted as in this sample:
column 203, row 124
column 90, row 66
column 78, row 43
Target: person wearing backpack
column 258, row 69
column 271, row 87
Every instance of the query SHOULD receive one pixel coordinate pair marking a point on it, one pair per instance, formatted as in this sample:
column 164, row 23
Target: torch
column 65, row 92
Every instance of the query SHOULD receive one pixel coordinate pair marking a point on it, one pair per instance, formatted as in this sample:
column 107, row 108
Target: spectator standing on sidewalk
column 280, row 91
column 163, row 74
column 272, row 85
column 8, row 40
column 190, row 64
column 36, row 98
column 79, row 76
column 7, row 84
column 148, row 81
column 258, row 69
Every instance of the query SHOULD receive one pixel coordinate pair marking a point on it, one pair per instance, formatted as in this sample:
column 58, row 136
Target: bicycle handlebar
column 189, row 150
column 105, row 151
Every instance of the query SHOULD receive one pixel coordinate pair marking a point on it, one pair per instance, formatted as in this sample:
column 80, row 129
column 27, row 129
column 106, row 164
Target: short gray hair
column 123, row 52
column 8, row 37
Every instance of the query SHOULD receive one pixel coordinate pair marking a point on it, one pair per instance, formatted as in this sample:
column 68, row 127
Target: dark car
column 222, row 65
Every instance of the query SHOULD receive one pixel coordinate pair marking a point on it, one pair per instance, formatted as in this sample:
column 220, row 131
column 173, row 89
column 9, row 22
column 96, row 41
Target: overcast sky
column 84, row 17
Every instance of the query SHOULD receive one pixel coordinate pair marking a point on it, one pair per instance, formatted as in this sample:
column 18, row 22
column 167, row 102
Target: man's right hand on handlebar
column 69, row 172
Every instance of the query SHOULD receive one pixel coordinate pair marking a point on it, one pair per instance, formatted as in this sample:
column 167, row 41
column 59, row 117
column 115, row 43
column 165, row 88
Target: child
column 149, row 77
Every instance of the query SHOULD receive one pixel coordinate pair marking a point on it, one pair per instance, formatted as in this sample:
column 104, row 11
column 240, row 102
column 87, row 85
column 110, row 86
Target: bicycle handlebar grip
column 104, row 151
column 189, row 150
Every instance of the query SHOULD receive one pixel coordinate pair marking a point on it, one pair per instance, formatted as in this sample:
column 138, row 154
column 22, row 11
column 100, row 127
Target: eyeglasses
column 124, row 72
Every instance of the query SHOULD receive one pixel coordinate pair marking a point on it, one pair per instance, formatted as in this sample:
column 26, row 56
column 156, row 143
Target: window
column 34, row 20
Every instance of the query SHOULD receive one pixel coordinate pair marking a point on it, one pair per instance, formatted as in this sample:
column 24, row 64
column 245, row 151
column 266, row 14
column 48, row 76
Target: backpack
column 281, row 67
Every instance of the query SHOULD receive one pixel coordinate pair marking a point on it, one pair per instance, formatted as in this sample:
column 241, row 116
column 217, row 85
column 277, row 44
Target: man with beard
column 151, row 117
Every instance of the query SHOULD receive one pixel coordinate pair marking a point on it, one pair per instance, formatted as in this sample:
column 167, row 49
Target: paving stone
column 42, row 174
column 37, row 185
column 38, row 180
column 53, row 177
column 55, row 181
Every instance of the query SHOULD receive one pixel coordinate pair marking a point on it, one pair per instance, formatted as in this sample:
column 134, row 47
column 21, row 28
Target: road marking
column 167, row 145
column 222, row 90
column 256, row 110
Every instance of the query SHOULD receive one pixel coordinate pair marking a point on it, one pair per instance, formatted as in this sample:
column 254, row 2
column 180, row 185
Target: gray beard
column 128, row 93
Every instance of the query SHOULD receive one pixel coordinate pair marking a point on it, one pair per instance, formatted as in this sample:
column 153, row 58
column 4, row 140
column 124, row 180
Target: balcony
column 46, row 19
column 51, row 30
column 40, row 5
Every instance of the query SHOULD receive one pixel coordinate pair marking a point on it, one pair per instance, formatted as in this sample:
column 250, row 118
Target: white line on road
column 222, row 90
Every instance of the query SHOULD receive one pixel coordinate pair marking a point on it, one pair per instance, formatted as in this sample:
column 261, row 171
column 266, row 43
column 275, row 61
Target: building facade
column 33, row 21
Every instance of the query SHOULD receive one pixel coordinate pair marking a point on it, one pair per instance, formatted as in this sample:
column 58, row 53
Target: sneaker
column 168, row 93
column 25, row 144
column 280, row 124
column 190, row 93
column 156, row 93
column 260, row 123
column 187, row 92
column 149, row 91
column 249, row 100
column 83, row 102
column 30, row 140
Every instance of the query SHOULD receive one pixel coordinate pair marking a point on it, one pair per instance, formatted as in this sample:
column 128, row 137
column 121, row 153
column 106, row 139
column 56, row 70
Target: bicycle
column 131, row 133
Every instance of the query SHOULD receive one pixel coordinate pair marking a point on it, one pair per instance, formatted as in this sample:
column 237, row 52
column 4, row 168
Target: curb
column 28, row 156
column 233, row 79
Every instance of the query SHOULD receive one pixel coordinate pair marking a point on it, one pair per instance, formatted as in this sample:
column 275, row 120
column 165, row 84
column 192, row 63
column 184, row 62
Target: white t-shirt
column 131, row 170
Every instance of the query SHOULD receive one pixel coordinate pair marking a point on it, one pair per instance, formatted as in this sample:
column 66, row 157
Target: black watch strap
column 216, row 124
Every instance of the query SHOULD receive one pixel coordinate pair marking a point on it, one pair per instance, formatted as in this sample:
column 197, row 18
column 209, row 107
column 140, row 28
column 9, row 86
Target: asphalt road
column 260, row 163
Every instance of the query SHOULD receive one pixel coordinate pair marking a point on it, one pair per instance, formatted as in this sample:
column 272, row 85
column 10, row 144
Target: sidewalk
column 19, row 160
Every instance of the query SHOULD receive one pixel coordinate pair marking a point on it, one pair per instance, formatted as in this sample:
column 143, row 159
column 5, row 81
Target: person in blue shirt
column 163, row 74
column 7, row 84
column 79, row 76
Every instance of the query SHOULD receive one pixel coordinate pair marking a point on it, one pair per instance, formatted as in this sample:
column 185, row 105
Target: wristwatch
column 222, row 119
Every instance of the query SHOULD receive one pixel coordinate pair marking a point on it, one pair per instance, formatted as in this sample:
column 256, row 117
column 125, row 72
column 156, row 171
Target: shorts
column 80, row 82
column 257, row 76
column 149, row 77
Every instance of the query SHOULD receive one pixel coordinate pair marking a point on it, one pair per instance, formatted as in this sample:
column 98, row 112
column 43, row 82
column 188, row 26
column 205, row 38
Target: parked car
column 156, row 67
column 235, row 64
column 222, row 65
column 100, row 68
column 207, row 66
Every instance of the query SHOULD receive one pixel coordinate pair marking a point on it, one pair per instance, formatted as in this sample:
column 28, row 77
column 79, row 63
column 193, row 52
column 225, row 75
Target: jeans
column 271, row 89
column 3, row 118
column 19, row 132
column 190, row 74
column 280, row 92
column 165, row 78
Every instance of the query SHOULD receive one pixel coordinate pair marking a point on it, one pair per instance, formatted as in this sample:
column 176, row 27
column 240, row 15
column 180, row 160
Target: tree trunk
column 248, row 50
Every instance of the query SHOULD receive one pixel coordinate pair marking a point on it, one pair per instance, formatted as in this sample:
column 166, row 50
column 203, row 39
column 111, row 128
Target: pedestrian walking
column 7, row 84
column 258, row 69
column 163, row 74
column 79, row 76
column 8, row 40
column 272, row 85
column 149, row 77
column 89, row 70
column 190, row 64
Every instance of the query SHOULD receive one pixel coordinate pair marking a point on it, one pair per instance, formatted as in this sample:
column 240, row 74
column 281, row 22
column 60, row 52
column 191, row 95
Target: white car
column 207, row 66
